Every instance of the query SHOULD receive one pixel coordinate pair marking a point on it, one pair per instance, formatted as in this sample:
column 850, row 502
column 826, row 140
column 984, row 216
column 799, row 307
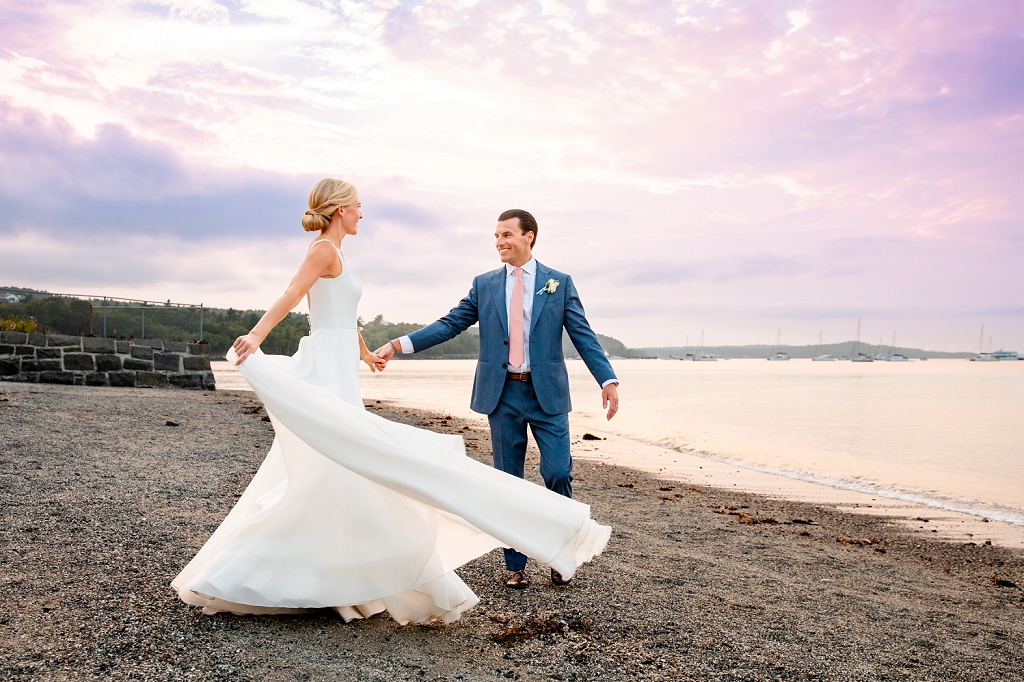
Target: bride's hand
column 376, row 363
column 245, row 346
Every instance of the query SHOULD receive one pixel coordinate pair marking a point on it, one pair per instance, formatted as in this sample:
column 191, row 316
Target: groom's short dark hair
column 527, row 223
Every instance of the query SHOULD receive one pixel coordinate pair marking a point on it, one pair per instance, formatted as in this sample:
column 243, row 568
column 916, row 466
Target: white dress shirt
column 529, row 278
column 529, row 293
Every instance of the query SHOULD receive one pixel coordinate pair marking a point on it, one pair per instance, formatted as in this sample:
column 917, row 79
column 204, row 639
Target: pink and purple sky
column 729, row 166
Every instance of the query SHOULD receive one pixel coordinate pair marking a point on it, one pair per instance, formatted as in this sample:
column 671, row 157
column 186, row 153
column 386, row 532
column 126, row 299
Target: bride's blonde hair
column 324, row 199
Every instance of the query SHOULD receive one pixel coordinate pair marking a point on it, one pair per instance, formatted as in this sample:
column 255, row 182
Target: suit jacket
column 485, row 304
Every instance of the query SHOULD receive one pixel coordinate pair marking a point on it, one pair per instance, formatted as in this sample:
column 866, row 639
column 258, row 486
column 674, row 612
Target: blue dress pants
column 518, row 408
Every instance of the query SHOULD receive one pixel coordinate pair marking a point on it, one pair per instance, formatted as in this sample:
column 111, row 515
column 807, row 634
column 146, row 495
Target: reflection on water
column 947, row 429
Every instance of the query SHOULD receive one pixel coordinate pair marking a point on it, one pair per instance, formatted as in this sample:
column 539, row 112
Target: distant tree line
column 49, row 315
column 221, row 326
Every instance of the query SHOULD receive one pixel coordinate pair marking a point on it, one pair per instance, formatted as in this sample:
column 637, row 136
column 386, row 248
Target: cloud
column 754, row 156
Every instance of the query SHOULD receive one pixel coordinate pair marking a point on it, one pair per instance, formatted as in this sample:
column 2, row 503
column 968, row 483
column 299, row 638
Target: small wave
column 989, row 510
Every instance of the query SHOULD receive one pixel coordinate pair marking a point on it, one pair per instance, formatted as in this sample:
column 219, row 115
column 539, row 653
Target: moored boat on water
column 998, row 356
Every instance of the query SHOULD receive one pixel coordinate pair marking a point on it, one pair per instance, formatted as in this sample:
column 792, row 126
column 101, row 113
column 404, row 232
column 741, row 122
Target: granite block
column 107, row 363
column 186, row 380
column 91, row 344
column 168, row 362
column 79, row 361
column 121, row 378
column 195, row 363
column 63, row 340
column 151, row 379
column 57, row 377
column 40, row 366
column 96, row 379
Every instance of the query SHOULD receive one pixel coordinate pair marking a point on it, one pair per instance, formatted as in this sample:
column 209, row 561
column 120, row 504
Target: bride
column 351, row 511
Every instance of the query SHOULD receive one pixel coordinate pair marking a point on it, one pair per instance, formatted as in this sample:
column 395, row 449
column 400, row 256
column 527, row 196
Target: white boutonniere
column 550, row 286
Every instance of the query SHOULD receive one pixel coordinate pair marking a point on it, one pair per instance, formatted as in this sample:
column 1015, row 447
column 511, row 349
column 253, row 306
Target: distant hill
column 764, row 350
column 55, row 313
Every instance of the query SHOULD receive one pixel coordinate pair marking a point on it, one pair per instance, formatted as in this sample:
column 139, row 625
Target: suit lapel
column 499, row 297
column 538, row 299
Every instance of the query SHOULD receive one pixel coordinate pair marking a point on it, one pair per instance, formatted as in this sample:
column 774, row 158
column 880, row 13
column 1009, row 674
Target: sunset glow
column 726, row 166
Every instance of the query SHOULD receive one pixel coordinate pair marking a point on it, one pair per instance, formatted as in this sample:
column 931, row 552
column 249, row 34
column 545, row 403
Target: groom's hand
column 610, row 399
column 385, row 352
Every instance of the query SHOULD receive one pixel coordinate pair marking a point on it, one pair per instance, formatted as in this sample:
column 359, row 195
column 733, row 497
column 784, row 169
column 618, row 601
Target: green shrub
column 18, row 324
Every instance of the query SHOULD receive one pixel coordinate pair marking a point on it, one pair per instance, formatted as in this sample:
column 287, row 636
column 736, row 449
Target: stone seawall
column 89, row 361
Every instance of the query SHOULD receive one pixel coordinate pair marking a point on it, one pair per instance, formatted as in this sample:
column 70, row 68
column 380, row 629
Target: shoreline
column 954, row 525
column 697, row 582
column 968, row 523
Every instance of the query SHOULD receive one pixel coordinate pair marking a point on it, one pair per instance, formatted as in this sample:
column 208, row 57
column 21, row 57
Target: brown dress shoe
column 557, row 578
column 517, row 580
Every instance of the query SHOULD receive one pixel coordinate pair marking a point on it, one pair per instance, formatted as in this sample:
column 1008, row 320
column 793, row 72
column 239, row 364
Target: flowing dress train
column 357, row 513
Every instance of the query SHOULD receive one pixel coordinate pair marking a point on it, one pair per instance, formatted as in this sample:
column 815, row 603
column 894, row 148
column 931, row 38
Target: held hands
column 610, row 399
column 376, row 363
column 385, row 352
column 245, row 346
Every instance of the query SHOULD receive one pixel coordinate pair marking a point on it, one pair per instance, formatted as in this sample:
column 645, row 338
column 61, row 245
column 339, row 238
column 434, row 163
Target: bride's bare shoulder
column 323, row 254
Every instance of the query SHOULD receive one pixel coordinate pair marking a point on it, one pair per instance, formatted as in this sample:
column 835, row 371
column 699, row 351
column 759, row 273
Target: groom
column 521, row 378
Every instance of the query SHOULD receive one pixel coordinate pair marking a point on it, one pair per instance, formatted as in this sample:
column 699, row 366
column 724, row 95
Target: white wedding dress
column 357, row 513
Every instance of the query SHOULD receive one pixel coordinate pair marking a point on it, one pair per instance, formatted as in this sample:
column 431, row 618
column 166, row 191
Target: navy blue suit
column 543, row 404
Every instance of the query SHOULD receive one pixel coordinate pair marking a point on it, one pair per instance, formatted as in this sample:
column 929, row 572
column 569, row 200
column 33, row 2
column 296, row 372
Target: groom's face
column 513, row 245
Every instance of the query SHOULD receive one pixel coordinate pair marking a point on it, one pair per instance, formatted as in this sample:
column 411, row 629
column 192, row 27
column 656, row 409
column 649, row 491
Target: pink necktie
column 515, row 324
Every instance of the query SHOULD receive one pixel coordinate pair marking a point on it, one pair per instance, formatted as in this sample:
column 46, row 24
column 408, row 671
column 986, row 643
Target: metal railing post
column 200, row 322
column 104, row 317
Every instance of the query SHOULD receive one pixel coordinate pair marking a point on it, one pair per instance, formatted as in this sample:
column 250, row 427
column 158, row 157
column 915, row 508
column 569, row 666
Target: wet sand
column 103, row 504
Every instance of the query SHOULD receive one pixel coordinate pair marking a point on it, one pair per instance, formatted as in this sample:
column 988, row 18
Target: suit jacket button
column 504, row 365
column 505, row 342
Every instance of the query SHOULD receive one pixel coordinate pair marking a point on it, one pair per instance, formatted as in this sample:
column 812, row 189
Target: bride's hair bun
column 326, row 197
column 313, row 221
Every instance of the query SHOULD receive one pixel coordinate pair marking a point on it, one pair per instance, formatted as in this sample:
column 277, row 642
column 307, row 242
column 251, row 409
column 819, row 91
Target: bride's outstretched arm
column 318, row 262
column 374, row 361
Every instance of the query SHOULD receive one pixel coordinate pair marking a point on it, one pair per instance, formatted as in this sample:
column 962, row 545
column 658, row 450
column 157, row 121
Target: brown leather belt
column 519, row 377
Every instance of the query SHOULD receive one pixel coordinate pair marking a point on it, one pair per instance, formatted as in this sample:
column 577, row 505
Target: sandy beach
column 104, row 503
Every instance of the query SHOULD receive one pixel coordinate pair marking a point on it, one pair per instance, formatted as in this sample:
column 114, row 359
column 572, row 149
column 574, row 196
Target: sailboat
column 857, row 356
column 982, row 356
column 896, row 357
column 687, row 357
column 700, row 357
column 822, row 357
column 778, row 355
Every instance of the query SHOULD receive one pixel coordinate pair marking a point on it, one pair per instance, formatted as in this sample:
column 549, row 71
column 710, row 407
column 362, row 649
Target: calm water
column 949, row 432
